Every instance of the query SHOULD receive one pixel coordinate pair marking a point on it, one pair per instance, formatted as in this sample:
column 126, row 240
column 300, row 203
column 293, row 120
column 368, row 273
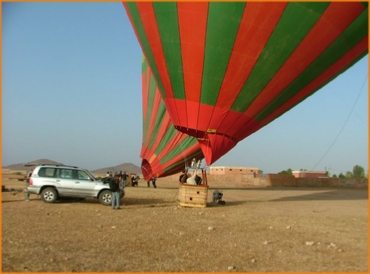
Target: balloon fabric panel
column 164, row 149
column 325, row 45
column 348, row 60
column 247, row 63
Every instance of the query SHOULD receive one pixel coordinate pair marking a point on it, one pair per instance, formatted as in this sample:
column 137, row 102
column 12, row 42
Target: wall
column 279, row 180
column 232, row 170
column 309, row 174
column 276, row 180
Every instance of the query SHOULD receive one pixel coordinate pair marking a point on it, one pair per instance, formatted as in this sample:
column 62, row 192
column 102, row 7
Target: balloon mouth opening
column 146, row 169
column 199, row 134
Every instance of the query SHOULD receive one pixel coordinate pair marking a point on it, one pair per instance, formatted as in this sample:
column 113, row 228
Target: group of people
column 122, row 177
column 118, row 182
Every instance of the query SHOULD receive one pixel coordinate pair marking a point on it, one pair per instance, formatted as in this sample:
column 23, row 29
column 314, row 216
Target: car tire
column 105, row 197
column 49, row 195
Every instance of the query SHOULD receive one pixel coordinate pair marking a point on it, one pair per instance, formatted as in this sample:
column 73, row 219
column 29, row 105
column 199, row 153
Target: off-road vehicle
column 53, row 182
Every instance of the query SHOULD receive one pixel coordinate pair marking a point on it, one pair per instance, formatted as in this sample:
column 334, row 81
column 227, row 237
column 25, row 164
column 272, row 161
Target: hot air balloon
column 226, row 69
column 165, row 150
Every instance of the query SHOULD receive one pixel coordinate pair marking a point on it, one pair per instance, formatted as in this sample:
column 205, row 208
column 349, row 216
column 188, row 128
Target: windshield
column 91, row 175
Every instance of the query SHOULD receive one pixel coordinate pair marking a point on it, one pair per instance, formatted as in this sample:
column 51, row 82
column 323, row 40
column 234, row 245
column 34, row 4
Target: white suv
column 55, row 181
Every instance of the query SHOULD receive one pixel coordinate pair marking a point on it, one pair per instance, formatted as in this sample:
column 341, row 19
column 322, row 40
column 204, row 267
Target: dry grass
column 259, row 229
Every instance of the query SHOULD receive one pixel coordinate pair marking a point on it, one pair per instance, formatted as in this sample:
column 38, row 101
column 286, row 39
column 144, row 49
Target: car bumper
column 33, row 189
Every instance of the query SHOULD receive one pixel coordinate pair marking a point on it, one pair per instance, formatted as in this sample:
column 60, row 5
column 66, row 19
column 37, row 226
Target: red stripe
column 192, row 18
column 144, row 94
column 172, row 107
column 150, row 26
column 178, row 137
column 156, row 168
column 249, row 44
column 153, row 115
column 215, row 146
column 322, row 35
column 345, row 61
column 169, row 145
column 163, row 127
column 143, row 151
column 183, row 156
column 192, row 27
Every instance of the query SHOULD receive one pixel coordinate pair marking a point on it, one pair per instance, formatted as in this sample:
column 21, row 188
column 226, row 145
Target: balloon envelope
column 165, row 150
column 226, row 69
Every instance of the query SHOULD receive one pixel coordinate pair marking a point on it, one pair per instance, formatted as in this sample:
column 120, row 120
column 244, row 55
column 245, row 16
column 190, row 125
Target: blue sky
column 71, row 92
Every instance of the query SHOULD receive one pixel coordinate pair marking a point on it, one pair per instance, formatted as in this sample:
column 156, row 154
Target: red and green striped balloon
column 226, row 69
column 165, row 150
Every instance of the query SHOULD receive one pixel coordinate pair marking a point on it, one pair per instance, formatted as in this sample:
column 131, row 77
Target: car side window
column 82, row 175
column 46, row 172
column 66, row 173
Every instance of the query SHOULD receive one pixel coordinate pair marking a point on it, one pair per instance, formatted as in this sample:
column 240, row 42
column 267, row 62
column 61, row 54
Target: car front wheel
column 49, row 195
column 105, row 197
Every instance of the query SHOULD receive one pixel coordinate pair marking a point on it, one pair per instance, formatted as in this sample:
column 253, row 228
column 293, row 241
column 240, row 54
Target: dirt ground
column 258, row 229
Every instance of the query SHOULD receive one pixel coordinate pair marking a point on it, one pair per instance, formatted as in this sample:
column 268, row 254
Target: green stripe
column 344, row 43
column 296, row 21
column 144, row 67
column 180, row 148
column 151, row 95
column 304, row 98
column 168, row 27
column 145, row 43
column 223, row 21
column 168, row 136
column 158, row 123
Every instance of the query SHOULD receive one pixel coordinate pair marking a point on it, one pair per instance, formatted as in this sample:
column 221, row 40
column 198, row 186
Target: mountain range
column 128, row 167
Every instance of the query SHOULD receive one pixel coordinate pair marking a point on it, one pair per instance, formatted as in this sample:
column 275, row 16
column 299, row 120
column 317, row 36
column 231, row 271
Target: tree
column 334, row 176
column 358, row 172
column 341, row 176
column 349, row 174
column 287, row 172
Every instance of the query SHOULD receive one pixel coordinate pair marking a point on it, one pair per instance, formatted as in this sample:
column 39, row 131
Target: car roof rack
column 58, row 165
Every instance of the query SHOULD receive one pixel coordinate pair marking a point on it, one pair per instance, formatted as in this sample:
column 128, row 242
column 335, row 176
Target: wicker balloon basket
column 193, row 195
column 193, row 190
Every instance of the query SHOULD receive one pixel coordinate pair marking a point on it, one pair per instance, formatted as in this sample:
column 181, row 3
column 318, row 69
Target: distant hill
column 128, row 167
column 22, row 166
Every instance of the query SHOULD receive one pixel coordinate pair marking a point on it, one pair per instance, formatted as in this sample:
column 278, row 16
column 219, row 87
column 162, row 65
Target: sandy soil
column 259, row 229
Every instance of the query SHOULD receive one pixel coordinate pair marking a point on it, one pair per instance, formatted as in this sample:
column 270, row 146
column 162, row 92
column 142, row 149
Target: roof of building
column 234, row 167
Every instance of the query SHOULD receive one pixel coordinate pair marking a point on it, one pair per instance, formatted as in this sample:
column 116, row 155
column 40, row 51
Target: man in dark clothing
column 124, row 179
column 181, row 178
column 153, row 182
column 114, row 187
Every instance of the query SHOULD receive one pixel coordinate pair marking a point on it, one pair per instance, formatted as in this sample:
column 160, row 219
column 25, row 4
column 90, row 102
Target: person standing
column 114, row 188
column 120, row 176
column 27, row 184
column 124, row 179
column 153, row 181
